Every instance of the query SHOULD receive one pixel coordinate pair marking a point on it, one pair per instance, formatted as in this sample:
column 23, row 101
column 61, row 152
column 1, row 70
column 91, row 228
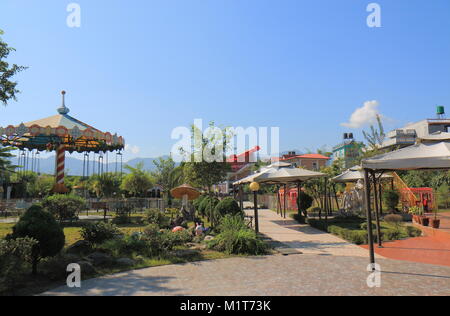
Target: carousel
column 60, row 133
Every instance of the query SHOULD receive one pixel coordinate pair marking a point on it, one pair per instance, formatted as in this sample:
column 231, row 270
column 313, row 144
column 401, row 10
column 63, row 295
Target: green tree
column 376, row 136
column 443, row 196
column 40, row 225
column 206, row 173
column 137, row 182
column 8, row 88
column 105, row 185
column 168, row 175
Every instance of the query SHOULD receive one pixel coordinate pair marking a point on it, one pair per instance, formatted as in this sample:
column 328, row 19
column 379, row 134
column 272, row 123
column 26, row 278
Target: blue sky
column 142, row 68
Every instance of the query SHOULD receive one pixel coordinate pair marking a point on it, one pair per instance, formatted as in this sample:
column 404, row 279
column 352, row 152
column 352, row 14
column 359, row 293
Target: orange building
column 308, row 161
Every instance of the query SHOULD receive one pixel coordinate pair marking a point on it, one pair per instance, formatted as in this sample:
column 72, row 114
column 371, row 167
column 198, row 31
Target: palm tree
column 376, row 136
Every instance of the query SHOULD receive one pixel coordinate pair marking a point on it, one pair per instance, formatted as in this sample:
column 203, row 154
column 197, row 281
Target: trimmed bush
column 391, row 199
column 413, row 231
column 64, row 207
column 97, row 233
column 14, row 253
column 228, row 206
column 364, row 226
column 155, row 216
column 40, row 225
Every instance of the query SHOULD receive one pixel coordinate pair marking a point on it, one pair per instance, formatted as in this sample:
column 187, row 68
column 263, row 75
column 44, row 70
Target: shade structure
column 184, row 191
column 289, row 175
column 279, row 164
column 353, row 175
column 424, row 155
column 251, row 178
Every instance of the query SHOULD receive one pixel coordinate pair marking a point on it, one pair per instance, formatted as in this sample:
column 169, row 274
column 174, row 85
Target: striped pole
column 60, row 168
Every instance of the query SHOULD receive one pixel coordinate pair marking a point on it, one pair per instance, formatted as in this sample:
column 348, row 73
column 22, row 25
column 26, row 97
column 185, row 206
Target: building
column 408, row 135
column 349, row 151
column 307, row 161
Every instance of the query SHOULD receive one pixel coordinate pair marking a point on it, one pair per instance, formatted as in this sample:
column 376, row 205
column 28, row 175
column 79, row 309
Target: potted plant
column 415, row 212
column 435, row 222
column 425, row 221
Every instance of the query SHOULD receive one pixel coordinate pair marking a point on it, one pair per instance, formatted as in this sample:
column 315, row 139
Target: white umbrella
column 424, row 155
column 289, row 175
column 251, row 178
column 353, row 175
column 279, row 164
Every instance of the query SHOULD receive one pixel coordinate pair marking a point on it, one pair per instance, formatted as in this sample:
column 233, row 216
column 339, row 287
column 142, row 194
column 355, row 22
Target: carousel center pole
column 61, row 155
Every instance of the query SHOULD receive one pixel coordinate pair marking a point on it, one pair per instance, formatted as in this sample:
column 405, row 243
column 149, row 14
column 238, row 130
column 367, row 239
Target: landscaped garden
column 35, row 252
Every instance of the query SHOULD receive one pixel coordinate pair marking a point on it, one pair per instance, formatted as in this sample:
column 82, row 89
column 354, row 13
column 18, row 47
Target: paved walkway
column 328, row 266
column 271, row 276
column 304, row 238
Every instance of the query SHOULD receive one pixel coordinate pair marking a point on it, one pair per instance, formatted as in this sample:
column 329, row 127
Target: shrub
column 14, row 253
column 391, row 199
column 228, row 206
column 196, row 203
column 64, row 207
column 413, row 231
column 299, row 218
column 364, row 226
column 97, row 233
column 155, row 216
column 305, row 201
column 394, row 220
column 236, row 238
column 40, row 225
column 207, row 206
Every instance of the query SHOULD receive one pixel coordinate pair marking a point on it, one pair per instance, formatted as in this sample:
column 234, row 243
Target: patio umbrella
column 288, row 175
column 185, row 191
column 251, row 178
column 279, row 164
column 353, row 175
column 424, row 155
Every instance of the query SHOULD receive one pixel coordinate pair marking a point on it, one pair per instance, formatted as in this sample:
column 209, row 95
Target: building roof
column 307, row 156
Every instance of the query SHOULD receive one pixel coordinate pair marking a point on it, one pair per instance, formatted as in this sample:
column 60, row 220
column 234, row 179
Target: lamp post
column 254, row 186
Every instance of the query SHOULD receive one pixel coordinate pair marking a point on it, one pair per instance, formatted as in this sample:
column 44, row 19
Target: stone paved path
column 328, row 266
column 271, row 275
column 304, row 238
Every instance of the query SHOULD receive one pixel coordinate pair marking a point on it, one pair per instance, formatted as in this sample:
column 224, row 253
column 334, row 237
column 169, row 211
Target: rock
column 186, row 253
column 86, row 268
column 209, row 238
column 80, row 246
column 99, row 258
column 125, row 262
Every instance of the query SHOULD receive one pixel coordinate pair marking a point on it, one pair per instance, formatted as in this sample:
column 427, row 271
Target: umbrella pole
column 284, row 202
column 241, row 201
column 380, row 193
column 369, row 218
column 278, row 200
column 325, row 205
column 377, row 216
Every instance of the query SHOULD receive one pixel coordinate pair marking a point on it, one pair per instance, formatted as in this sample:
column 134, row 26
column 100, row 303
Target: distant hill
column 75, row 166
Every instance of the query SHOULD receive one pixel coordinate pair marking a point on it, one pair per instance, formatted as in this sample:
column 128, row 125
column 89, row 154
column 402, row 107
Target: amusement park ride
column 61, row 133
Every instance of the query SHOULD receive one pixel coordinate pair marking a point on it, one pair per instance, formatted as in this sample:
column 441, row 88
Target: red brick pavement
column 432, row 248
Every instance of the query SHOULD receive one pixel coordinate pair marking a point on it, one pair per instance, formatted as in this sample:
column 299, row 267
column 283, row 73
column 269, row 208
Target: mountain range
column 74, row 167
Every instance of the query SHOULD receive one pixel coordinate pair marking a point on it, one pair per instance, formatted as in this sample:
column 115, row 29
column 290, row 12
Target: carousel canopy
column 424, row 155
column 60, row 129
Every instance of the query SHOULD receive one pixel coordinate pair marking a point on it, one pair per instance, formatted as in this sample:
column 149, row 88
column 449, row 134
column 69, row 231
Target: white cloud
column 365, row 115
column 132, row 149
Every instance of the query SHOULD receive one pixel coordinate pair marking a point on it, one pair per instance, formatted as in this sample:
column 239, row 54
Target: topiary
column 64, row 207
column 391, row 199
column 228, row 206
column 304, row 202
column 40, row 225
column 97, row 233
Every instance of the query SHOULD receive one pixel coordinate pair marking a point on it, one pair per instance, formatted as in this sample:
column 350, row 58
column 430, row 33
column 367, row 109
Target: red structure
column 424, row 197
column 291, row 198
column 241, row 160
